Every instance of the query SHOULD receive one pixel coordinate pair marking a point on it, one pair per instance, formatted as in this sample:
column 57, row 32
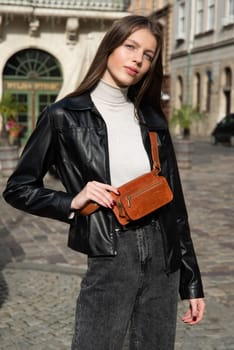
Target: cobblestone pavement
column 40, row 276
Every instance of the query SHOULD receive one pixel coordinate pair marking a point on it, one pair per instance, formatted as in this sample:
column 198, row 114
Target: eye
column 148, row 56
column 130, row 46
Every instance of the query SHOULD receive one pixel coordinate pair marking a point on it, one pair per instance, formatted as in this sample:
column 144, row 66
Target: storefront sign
column 33, row 86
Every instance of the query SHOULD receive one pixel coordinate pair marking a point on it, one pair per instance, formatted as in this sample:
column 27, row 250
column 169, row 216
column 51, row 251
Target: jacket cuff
column 192, row 292
column 64, row 207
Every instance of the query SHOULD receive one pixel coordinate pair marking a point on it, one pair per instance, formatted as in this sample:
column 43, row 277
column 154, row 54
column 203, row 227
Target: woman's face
column 129, row 62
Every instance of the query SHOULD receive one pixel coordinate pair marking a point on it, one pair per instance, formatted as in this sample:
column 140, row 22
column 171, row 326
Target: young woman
column 97, row 138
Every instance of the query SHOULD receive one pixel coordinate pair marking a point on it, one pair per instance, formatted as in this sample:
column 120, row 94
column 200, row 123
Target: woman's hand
column 97, row 192
column 195, row 312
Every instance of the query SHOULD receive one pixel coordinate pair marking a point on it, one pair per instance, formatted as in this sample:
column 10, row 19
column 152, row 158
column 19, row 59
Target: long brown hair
column 148, row 89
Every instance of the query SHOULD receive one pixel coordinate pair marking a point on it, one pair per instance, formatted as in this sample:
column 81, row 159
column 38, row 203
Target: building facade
column 202, row 61
column 46, row 47
column 162, row 10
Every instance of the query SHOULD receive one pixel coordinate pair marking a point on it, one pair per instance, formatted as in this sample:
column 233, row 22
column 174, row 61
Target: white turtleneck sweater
column 128, row 158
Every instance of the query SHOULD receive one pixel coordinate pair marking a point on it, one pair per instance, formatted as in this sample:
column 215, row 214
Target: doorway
column 34, row 79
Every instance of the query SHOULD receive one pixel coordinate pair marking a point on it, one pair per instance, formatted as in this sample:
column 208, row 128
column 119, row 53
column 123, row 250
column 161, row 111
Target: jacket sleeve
column 190, row 278
column 25, row 189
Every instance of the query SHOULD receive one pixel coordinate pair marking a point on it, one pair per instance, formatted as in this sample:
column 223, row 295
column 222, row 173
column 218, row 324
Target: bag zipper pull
column 129, row 201
column 121, row 209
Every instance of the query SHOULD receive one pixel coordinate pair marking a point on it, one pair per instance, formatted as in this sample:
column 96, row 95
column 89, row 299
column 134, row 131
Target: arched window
column 34, row 78
column 179, row 92
column 32, row 64
column 198, row 91
column 228, row 89
column 208, row 89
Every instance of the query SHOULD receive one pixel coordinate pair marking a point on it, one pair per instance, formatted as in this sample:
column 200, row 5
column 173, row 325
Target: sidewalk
column 40, row 276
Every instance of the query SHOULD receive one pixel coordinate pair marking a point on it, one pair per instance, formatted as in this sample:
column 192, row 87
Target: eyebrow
column 136, row 43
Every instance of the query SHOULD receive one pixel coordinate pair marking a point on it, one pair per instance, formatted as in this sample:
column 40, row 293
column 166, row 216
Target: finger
column 187, row 316
column 101, row 197
column 194, row 307
column 195, row 313
column 98, row 193
column 201, row 310
column 110, row 188
column 198, row 307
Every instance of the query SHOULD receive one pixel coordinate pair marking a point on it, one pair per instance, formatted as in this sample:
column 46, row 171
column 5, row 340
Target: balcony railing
column 101, row 5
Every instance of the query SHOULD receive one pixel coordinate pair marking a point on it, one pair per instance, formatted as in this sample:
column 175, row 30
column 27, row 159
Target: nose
column 138, row 57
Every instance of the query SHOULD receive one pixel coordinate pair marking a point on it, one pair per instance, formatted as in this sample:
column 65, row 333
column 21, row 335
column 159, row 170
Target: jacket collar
column 152, row 119
column 78, row 103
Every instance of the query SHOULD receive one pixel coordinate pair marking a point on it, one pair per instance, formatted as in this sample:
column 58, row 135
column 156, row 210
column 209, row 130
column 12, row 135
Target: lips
column 131, row 70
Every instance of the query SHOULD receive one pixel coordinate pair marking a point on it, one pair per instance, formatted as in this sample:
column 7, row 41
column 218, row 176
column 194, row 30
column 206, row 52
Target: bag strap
column 154, row 150
column 92, row 206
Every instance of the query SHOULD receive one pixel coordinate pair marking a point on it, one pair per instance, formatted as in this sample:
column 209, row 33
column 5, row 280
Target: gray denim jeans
column 128, row 293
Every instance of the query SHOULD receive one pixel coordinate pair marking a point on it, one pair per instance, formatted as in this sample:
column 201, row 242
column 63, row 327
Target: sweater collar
column 153, row 119
column 109, row 94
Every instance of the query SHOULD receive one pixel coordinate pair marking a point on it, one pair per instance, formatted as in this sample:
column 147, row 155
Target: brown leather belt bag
column 140, row 196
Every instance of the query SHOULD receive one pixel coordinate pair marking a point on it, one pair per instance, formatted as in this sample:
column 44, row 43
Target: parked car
column 224, row 131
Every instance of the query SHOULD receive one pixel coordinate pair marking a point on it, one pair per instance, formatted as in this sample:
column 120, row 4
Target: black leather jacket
column 72, row 135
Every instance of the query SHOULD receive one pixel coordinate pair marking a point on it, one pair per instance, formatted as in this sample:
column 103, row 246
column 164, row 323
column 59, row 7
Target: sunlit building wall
column 202, row 64
column 46, row 47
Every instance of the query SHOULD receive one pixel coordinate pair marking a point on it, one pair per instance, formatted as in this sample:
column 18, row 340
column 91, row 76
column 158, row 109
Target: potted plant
column 184, row 118
column 9, row 133
column 14, row 130
column 9, row 110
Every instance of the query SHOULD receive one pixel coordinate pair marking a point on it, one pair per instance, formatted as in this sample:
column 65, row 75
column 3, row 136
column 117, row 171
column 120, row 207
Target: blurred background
column 46, row 47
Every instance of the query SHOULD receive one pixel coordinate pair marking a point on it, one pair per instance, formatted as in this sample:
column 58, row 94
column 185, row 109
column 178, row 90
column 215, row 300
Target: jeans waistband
column 134, row 225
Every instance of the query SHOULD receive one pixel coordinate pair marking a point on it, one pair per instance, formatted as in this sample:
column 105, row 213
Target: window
column 33, row 64
column 200, row 16
column 229, row 13
column 209, row 86
column 228, row 77
column 179, row 92
column 228, row 121
column 181, row 21
column 32, row 75
column 227, row 90
column 198, row 91
column 230, row 8
column 211, row 15
column 44, row 100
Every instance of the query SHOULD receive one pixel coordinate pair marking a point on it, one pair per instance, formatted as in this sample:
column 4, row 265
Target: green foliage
column 9, row 107
column 185, row 116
